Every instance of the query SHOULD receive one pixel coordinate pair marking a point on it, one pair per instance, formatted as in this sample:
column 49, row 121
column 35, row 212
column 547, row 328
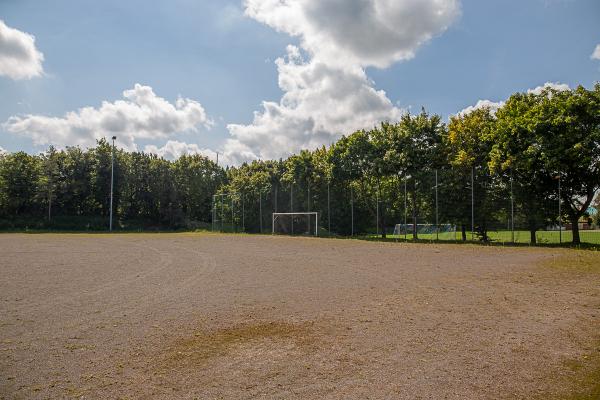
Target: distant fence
column 439, row 205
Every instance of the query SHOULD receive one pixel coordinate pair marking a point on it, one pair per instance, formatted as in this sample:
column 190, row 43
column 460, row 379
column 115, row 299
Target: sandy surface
column 211, row 316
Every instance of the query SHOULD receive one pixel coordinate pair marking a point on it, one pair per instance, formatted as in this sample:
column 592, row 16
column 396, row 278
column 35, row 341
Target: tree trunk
column 463, row 229
column 575, row 225
column 532, row 235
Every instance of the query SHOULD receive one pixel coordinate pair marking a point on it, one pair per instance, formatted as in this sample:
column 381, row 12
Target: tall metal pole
column 292, row 205
column 437, row 225
column 472, row 202
column 112, row 179
column 512, row 210
column 260, row 210
column 559, row 213
column 222, row 212
column 213, row 213
column 328, row 209
column 232, row 214
column 243, row 213
column 352, row 210
column 405, row 209
column 377, row 220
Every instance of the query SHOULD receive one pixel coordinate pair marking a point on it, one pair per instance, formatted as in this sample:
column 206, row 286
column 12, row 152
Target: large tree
column 554, row 135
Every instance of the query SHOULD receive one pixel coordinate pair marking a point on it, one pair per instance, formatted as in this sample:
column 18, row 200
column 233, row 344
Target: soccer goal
column 297, row 223
column 427, row 231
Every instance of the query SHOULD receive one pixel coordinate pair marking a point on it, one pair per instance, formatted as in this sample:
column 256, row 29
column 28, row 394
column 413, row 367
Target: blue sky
column 213, row 54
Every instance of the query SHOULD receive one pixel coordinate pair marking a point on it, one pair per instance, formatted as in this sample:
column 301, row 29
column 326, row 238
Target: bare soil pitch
column 213, row 316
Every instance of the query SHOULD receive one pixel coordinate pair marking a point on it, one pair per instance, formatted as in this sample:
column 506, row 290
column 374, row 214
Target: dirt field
column 187, row 316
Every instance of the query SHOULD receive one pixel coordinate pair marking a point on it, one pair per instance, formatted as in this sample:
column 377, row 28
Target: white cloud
column 141, row 115
column 320, row 104
column 495, row 106
column 329, row 94
column 596, row 54
column 491, row 105
column 360, row 32
column 19, row 58
column 2, row 151
column 561, row 87
column 174, row 149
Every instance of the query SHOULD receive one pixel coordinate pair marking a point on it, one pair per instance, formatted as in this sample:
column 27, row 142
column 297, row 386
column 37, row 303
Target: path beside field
column 214, row 316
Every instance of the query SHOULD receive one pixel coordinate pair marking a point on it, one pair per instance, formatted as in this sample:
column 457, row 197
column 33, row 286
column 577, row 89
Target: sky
column 262, row 79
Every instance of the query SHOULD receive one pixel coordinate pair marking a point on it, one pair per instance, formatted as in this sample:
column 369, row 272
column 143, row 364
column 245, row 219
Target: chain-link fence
column 444, row 205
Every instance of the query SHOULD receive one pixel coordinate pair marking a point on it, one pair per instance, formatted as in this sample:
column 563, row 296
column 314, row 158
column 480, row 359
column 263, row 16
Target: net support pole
column 559, row 213
column 377, row 214
column 512, row 211
column 328, row 209
column 437, row 225
column 405, row 208
column 351, row 211
column 260, row 211
column 472, row 203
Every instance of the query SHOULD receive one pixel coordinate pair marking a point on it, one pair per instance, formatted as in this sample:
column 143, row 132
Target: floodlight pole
column 232, row 214
column 243, row 214
column 222, row 212
column 292, row 204
column 112, row 180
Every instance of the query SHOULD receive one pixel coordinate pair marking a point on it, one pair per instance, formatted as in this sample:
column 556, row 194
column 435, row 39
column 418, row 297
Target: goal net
column 443, row 231
column 298, row 223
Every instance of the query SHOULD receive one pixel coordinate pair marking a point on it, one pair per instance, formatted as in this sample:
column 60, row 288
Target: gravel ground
column 204, row 316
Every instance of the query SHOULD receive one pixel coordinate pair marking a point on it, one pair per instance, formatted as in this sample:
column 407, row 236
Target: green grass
column 520, row 237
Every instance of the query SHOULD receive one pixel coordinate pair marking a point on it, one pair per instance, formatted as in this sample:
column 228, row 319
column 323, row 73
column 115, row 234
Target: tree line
column 525, row 151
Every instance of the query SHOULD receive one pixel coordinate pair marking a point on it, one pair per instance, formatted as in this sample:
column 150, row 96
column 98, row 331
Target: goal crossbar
column 310, row 214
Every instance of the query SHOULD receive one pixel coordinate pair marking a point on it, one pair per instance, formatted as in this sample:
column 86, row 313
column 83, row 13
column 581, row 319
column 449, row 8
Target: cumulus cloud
column 561, row 87
column 361, row 32
column 2, row 151
column 140, row 115
column 596, row 54
column 174, row 149
column 491, row 105
column 495, row 106
column 19, row 58
column 321, row 102
column 326, row 90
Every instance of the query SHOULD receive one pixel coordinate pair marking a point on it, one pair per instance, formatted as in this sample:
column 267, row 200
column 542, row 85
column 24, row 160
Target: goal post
column 296, row 223
column 443, row 231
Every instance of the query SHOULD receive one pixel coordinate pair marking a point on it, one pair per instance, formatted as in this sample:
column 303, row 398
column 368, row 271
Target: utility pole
column 112, row 181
